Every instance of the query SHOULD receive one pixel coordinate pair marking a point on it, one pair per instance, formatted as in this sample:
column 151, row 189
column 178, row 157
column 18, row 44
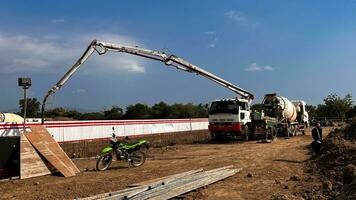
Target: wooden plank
column 174, row 185
column 44, row 143
column 196, row 178
column 118, row 194
column 168, row 194
column 142, row 186
column 165, row 179
column 31, row 164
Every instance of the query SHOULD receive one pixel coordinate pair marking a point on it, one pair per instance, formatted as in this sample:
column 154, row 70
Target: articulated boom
column 172, row 60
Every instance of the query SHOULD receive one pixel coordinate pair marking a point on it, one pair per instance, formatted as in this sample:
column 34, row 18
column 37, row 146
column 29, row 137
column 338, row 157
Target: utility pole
column 25, row 83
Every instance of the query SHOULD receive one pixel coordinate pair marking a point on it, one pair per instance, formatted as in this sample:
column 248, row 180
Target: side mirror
column 242, row 116
column 207, row 106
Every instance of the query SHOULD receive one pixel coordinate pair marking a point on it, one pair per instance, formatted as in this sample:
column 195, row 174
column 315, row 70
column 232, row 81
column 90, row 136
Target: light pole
column 25, row 83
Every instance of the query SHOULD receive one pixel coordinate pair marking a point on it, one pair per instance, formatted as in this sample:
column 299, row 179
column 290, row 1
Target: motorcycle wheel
column 137, row 158
column 103, row 162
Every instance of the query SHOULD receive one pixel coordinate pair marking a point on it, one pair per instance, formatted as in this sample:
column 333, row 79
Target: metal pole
column 24, row 109
column 25, row 104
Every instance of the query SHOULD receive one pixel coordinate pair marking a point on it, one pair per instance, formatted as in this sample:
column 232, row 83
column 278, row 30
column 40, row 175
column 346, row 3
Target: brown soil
column 335, row 165
column 277, row 170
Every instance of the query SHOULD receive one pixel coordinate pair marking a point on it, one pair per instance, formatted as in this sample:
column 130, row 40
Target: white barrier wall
column 66, row 131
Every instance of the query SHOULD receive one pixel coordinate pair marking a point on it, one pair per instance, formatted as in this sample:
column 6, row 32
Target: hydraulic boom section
column 171, row 60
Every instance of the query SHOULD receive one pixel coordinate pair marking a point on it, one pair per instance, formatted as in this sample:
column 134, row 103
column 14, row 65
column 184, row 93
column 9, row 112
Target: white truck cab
column 229, row 117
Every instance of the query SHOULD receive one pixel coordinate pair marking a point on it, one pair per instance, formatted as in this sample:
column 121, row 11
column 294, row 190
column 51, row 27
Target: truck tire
column 246, row 133
column 212, row 136
column 273, row 134
column 215, row 136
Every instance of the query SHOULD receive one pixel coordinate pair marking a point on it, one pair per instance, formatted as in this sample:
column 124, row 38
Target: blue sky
column 298, row 49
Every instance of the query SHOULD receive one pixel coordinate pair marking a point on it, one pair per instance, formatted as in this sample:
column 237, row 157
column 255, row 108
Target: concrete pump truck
column 227, row 117
column 170, row 60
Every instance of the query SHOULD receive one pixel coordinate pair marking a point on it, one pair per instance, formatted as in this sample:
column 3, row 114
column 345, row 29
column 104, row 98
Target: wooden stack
column 40, row 155
column 170, row 186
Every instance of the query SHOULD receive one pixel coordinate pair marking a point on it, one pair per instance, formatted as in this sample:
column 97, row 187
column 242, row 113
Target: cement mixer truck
column 279, row 117
column 10, row 118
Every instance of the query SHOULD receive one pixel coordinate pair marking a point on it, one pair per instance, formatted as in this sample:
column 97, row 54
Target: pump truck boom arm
column 172, row 60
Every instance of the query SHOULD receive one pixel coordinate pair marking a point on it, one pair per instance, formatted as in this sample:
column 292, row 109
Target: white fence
column 66, row 131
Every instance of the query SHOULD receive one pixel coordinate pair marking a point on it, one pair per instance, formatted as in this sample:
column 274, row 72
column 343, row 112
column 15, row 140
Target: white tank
column 10, row 118
column 280, row 107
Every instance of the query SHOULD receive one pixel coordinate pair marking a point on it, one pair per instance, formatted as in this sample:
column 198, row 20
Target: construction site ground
column 268, row 169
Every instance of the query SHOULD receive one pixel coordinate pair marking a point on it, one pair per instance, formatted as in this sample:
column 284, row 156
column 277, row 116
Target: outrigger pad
column 31, row 164
column 44, row 143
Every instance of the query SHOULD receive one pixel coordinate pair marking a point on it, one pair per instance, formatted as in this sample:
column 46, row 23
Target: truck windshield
column 224, row 107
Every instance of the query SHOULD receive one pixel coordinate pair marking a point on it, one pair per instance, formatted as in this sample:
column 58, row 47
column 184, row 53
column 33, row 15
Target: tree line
column 333, row 106
column 159, row 110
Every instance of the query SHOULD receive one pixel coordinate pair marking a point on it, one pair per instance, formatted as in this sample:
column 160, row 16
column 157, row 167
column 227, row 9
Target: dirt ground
column 271, row 167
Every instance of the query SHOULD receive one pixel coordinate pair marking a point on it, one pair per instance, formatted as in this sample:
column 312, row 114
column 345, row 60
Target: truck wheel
column 274, row 134
column 246, row 133
column 215, row 136
column 271, row 134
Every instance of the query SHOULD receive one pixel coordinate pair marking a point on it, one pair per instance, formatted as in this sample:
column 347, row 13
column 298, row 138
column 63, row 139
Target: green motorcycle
column 134, row 154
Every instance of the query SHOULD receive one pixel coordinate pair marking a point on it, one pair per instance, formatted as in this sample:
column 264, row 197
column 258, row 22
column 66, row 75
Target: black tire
column 216, row 136
column 268, row 134
column 103, row 162
column 137, row 158
column 144, row 148
column 212, row 136
column 246, row 133
column 273, row 134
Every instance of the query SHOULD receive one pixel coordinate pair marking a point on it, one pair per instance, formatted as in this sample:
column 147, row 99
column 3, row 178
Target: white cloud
column 57, row 20
column 79, row 91
column 212, row 37
column 255, row 67
column 209, row 32
column 20, row 53
column 236, row 16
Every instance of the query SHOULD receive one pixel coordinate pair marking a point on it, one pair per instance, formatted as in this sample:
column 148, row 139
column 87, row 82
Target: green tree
column 33, row 107
column 73, row 114
column 179, row 110
column 93, row 116
column 351, row 113
column 114, row 113
column 138, row 111
column 335, row 106
column 56, row 112
column 201, row 111
column 160, row 110
column 312, row 111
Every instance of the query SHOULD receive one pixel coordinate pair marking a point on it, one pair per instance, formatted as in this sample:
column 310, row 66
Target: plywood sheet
column 44, row 143
column 31, row 164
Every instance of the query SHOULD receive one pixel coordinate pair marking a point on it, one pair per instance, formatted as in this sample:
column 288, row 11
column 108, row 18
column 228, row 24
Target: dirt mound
column 350, row 131
column 336, row 163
